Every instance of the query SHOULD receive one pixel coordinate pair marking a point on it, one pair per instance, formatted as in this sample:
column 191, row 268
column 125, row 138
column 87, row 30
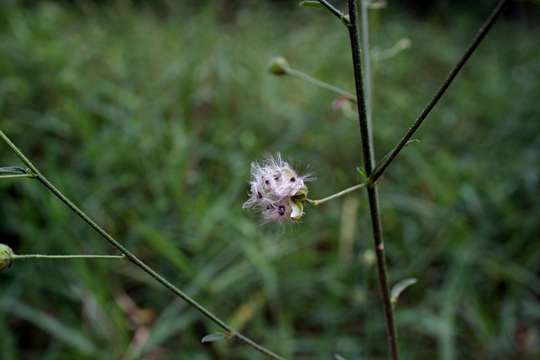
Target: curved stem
column 336, row 195
column 480, row 35
column 369, row 161
column 130, row 256
column 302, row 75
column 396, row 49
column 39, row 256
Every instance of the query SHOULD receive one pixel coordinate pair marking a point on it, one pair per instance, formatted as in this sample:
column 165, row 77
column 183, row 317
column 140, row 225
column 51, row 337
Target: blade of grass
column 68, row 335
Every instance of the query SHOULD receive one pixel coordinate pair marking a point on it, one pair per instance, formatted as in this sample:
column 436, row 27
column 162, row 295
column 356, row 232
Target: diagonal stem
column 66, row 257
column 324, row 85
column 335, row 11
column 337, row 195
column 451, row 76
column 130, row 256
column 369, row 161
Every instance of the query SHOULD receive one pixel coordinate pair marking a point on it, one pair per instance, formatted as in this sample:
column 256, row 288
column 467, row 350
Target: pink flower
column 276, row 190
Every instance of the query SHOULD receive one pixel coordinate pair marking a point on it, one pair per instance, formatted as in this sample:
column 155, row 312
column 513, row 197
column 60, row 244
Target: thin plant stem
column 369, row 161
column 39, row 256
column 396, row 49
column 130, row 256
column 302, row 75
column 341, row 16
column 376, row 4
column 17, row 176
column 366, row 62
column 337, row 195
column 480, row 35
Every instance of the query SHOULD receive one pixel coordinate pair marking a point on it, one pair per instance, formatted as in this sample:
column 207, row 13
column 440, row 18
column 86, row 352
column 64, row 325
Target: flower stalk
column 7, row 256
column 279, row 66
column 337, row 195
column 324, row 85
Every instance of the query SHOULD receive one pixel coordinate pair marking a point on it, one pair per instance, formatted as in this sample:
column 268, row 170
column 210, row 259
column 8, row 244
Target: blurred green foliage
column 150, row 119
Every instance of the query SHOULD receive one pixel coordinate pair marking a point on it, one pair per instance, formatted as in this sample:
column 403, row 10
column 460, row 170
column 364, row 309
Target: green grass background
column 148, row 117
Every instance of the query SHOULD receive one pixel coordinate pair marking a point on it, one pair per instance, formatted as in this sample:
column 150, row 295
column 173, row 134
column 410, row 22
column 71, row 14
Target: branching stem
column 369, row 161
column 341, row 16
column 130, row 256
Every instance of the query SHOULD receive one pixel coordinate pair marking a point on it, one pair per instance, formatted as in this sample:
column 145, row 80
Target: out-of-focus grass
column 150, row 120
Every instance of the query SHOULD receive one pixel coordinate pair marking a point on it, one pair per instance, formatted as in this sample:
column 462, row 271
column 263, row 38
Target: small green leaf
column 412, row 141
column 361, row 172
column 311, row 3
column 339, row 357
column 400, row 287
column 213, row 337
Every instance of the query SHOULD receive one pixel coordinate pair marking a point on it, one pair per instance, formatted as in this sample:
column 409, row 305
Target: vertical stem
column 366, row 59
column 368, row 155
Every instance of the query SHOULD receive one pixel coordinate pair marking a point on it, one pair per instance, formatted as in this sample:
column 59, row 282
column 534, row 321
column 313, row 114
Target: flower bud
column 278, row 65
column 404, row 43
column 6, row 257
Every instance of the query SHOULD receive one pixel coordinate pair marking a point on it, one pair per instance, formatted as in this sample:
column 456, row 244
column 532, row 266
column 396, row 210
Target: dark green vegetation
column 150, row 121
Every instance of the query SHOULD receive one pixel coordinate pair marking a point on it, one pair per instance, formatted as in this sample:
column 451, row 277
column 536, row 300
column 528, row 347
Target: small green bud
column 6, row 257
column 368, row 257
column 279, row 66
column 404, row 43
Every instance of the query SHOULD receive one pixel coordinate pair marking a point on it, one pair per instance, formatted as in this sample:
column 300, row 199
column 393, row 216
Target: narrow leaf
column 412, row 141
column 400, row 287
column 339, row 357
column 49, row 323
column 213, row 337
column 361, row 172
column 311, row 3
